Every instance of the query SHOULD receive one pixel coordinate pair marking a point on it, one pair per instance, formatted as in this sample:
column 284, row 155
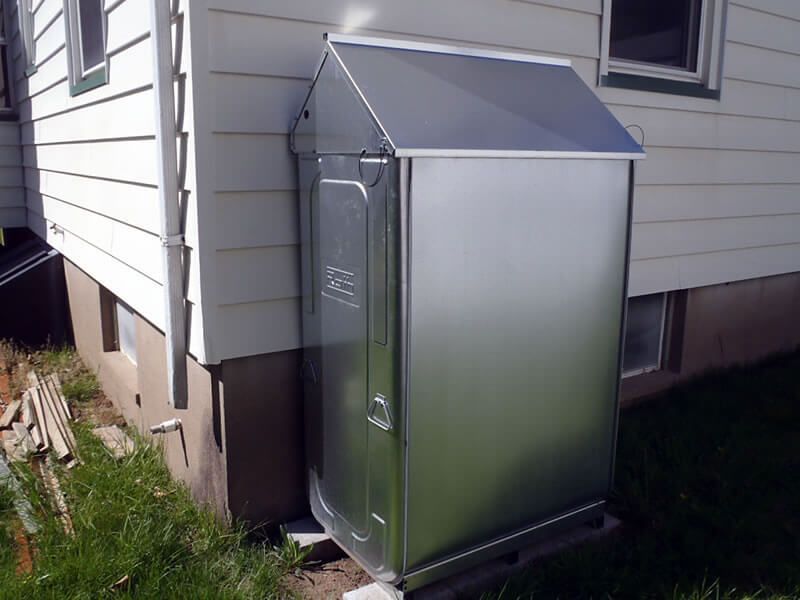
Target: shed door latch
column 379, row 413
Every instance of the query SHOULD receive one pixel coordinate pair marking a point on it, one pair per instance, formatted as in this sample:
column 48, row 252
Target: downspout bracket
column 169, row 241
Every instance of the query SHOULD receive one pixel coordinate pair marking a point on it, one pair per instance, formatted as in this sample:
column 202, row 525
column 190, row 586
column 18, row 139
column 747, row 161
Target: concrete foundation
column 722, row 326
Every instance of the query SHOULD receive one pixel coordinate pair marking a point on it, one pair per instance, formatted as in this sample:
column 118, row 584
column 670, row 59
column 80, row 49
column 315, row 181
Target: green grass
column 7, row 515
column 132, row 520
column 708, row 489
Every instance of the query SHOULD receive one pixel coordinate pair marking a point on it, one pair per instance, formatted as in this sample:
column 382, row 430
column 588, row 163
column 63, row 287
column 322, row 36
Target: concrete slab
column 373, row 591
column 490, row 574
column 308, row 532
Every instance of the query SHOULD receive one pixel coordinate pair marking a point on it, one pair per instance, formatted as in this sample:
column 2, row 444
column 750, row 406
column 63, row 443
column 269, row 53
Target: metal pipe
column 171, row 234
column 167, row 426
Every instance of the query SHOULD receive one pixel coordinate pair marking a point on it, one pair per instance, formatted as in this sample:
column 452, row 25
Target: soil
column 328, row 581
column 99, row 411
column 24, row 552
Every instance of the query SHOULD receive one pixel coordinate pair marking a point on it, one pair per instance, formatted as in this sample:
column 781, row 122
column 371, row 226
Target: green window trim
column 96, row 79
column 31, row 70
column 658, row 84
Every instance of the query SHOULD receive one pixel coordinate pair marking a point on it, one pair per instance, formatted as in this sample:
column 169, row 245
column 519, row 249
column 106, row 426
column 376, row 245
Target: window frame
column 704, row 81
column 26, row 13
column 666, row 304
column 82, row 79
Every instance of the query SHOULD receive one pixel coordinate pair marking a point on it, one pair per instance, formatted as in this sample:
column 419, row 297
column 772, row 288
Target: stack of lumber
column 45, row 422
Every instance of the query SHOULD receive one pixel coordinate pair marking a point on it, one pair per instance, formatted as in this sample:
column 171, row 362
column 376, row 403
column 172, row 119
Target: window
column 644, row 334
column 86, row 36
column 25, row 11
column 670, row 46
column 126, row 330
column 5, row 82
column 118, row 325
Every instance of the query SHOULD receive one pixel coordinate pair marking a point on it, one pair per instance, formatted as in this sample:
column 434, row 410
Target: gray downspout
column 171, row 235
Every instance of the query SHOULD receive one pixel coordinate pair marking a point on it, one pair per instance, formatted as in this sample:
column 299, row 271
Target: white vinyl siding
column 718, row 198
column 90, row 163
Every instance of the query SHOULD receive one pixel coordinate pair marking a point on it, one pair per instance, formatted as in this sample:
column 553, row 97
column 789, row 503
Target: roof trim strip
column 358, row 40
column 460, row 153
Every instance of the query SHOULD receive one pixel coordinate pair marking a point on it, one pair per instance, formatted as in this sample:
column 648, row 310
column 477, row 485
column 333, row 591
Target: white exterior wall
column 718, row 198
column 90, row 160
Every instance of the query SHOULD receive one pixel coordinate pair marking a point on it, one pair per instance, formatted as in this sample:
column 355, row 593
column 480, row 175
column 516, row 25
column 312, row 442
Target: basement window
column 118, row 323
column 644, row 334
column 86, row 44
column 126, row 330
column 668, row 46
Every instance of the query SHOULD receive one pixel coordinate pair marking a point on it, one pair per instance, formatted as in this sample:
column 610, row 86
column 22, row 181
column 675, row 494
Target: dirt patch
column 24, row 552
column 327, row 582
column 99, row 411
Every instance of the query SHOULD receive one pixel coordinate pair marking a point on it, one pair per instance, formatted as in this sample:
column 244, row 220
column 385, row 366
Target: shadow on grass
column 708, row 488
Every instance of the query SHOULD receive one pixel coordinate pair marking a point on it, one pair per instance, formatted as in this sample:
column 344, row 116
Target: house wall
column 12, row 196
column 735, row 323
column 90, row 160
column 241, row 448
column 717, row 200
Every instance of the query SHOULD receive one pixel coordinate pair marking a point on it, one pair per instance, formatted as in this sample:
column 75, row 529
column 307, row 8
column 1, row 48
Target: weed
column 289, row 554
column 81, row 386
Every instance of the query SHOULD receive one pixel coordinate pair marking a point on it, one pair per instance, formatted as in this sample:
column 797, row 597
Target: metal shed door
column 344, row 331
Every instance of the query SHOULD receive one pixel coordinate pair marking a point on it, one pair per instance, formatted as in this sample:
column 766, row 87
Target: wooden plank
column 53, row 406
column 38, row 409
column 36, row 435
column 28, row 416
column 57, row 382
column 10, row 414
column 54, row 432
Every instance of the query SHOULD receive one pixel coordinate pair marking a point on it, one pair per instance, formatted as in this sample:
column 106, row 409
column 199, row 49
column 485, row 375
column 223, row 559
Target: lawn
column 137, row 533
column 708, row 489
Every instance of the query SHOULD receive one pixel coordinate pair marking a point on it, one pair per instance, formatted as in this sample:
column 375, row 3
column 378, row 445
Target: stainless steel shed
column 465, row 224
